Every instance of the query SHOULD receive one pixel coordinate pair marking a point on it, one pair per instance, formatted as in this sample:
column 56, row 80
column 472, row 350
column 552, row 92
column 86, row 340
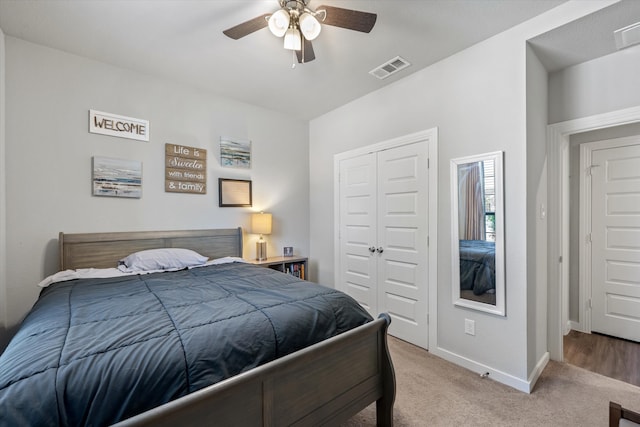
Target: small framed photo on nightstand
column 288, row 251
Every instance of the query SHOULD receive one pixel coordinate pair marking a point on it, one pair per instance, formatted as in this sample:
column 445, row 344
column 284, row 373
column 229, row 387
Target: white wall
column 477, row 99
column 537, row 106
column 609, row 83
column 48, row 175
column 3, row 204
column 537, row 103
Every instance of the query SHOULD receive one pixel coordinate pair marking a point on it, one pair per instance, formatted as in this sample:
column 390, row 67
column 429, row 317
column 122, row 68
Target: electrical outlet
column 469, row 327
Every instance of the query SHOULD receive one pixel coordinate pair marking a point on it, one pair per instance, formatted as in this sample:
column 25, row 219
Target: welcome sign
column 122, row 126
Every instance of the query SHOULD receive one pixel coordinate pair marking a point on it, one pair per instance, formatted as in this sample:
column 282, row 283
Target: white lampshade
column 309, row 26
column 279, row 22
column 261, row 223
column 292, row 39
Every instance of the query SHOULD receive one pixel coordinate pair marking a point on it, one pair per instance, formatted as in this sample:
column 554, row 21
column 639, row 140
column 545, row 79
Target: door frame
column 431, row 136
column 558, row 136
column 585, row 249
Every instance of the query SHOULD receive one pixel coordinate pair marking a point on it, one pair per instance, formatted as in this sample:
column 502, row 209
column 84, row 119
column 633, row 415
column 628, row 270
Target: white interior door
column 402, row 240
column 615, row 236
column 357, row 200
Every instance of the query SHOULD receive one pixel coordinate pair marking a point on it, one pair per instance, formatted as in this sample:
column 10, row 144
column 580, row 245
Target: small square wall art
column 235, row 153
column 117, row 177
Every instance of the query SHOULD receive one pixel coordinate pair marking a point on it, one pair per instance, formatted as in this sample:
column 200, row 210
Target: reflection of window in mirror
column 477, row 198
column 489, row 200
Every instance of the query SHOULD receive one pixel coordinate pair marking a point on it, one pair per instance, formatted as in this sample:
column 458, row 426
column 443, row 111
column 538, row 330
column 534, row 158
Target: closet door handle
column 380, row 250
column 372, row 249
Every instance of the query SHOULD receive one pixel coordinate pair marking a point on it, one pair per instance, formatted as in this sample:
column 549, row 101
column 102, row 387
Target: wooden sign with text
column 185, row 169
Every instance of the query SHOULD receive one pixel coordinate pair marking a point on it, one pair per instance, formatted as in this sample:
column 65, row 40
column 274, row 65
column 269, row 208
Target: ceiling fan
column 299, row 24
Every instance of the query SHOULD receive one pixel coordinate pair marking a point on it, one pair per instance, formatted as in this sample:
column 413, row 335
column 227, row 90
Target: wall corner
column 3, row 210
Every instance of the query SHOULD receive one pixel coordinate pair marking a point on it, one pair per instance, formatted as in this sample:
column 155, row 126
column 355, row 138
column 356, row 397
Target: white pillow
column 225, row 260
column 161, row 259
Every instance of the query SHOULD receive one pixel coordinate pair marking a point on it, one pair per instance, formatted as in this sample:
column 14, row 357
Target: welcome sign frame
column 118, row 126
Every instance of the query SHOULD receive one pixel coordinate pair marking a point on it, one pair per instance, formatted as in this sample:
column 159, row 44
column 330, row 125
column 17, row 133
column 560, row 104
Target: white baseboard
column 567, row 327
column 537, row 371
column 574, row 326
column 495, row 374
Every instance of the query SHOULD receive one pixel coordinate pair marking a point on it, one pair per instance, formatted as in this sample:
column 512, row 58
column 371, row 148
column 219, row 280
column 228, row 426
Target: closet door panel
column 402, row 240
column 358, row 272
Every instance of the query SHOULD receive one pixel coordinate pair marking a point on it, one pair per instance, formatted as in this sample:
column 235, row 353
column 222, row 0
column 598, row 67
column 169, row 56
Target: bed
column 477, row 266
column 308, row 368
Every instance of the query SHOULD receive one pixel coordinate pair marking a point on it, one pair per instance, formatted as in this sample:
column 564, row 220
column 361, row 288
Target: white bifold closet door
column 383, row 236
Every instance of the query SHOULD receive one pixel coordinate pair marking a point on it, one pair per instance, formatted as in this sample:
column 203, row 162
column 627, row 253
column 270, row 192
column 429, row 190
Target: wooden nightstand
column 294, row 265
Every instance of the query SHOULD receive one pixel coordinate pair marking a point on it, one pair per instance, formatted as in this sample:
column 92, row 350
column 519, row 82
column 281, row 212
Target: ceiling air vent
column 627, row 36
column 390, row 67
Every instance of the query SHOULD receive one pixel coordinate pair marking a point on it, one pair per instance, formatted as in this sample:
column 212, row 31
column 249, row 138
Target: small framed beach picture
column 235, row 153
column 117, row 177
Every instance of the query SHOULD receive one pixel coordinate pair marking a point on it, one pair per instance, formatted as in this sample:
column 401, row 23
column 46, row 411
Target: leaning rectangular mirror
column 477, row 232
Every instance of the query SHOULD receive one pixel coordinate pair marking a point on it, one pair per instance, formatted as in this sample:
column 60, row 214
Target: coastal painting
column 117, row 177
column 235, row 154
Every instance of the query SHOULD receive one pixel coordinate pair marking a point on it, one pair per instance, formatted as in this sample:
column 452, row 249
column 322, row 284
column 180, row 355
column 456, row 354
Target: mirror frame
column 499, row 308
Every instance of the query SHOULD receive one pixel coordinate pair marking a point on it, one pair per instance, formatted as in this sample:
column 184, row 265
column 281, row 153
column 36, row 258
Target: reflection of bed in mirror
column 477, row 270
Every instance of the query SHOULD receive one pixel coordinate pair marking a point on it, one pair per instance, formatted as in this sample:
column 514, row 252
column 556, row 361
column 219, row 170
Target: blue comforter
column 477, row 266
column 96, row 351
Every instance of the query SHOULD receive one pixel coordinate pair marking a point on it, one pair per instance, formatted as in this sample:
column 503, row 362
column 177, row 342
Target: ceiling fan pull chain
column 293, row 59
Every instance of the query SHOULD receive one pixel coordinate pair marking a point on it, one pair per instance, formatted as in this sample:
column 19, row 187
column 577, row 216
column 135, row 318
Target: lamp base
column 261, row 250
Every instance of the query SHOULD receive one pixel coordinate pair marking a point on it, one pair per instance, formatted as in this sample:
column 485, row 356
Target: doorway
column 558, row 141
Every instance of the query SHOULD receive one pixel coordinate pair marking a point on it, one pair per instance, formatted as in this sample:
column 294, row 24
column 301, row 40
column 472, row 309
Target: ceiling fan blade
column 307, row 50
column 349, row 19
column 248, row 27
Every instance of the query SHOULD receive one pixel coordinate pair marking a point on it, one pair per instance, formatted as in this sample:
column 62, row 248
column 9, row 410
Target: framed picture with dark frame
column 234, row 193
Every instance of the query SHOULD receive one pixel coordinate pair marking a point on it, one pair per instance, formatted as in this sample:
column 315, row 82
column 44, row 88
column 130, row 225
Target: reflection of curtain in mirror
column 471, row 202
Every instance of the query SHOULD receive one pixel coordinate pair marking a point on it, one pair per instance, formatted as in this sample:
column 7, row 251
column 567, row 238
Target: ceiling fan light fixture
column 279, row 23
column 299, row 25
column 309, row 26
column 292, row 40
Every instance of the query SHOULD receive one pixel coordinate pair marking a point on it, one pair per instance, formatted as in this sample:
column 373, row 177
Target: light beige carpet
column 434, row 392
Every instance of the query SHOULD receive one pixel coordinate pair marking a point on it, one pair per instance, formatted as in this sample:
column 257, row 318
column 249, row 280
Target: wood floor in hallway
column 605, row 355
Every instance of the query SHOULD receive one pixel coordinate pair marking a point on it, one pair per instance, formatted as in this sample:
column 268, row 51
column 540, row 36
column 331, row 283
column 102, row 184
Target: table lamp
column 261, row 224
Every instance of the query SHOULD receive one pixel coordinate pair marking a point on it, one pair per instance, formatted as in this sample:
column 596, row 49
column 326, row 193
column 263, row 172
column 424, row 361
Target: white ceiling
column 586, row 38
column 182, row 40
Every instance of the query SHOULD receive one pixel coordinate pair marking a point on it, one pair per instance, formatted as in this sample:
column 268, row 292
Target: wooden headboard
column 103, row 250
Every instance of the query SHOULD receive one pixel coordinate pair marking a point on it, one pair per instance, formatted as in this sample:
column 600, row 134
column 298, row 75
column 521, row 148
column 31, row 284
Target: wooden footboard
column 324, row 384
